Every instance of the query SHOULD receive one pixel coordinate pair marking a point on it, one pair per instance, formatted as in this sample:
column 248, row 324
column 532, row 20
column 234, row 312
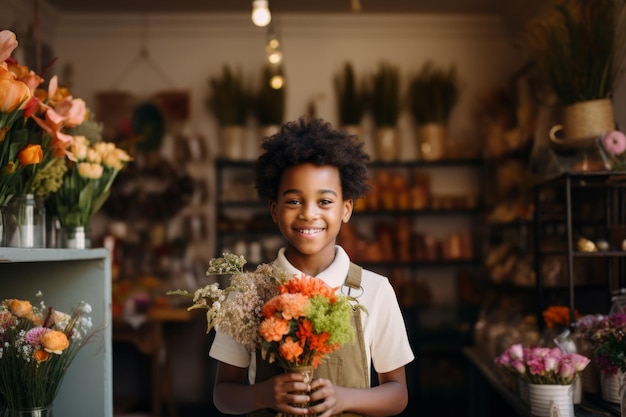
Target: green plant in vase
column 351, row 97
column 433, row 92
column 229, row 102
column 385, row 107
column 269, row 101
column 579, row 46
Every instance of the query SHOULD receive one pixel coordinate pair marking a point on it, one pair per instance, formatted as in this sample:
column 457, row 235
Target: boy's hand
column 288, row 392
column 325, row 396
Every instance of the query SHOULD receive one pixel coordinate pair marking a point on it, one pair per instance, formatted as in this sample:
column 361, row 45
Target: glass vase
column 307, row 371
column 29, row 412
column 25, row 222
column 76, row 238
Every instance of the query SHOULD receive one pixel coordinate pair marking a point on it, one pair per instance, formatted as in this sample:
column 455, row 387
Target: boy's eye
column 293, row 202
column 325, row 202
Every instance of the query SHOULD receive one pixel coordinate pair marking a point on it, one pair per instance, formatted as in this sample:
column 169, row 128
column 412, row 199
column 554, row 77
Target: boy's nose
column 309, row 212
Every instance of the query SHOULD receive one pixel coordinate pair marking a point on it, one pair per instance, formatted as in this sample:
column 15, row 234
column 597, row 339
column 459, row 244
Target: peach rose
column 54, row 342
column 20, row 308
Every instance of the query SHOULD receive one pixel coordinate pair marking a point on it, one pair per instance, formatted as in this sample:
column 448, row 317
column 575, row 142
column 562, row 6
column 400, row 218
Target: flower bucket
column 546, row 400
column 611, row 387
column 432, row 140
column 232, row 142
column 582, row 122
column 387, row 144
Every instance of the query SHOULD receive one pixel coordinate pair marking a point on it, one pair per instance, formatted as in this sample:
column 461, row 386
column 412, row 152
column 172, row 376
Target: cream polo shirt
column 385, row 335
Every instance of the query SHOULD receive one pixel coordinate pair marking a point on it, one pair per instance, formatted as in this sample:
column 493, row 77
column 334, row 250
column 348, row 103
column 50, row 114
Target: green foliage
column 386, row 95
column 228, row 100
column 432, row 93
column 579, row 45
column 269, row 102
column 351, row 98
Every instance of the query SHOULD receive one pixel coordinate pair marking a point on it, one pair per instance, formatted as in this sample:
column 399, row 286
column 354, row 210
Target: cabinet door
column 66, row 277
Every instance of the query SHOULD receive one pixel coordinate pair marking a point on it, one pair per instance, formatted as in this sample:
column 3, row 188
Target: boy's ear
column 272, row 205
column 348, row 205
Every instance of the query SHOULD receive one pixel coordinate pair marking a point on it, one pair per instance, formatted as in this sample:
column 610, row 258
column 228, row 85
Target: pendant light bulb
column 261, row 15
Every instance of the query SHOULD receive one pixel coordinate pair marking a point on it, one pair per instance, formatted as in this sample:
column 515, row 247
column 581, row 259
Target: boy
column 311, row 175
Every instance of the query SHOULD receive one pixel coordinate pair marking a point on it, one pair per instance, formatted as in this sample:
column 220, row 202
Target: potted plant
column 385, row 106
column 351, row 98
column 432, row 94
column 579, row 45
column 269, row 103
column 229, row 102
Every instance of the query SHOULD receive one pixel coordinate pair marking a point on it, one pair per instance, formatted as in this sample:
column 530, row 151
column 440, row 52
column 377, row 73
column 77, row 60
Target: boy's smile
column 309, row 212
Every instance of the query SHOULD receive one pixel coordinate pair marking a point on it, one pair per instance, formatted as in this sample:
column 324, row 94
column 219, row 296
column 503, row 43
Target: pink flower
column 8, row 42
column 580, row 362
column 566, row 368
column 34, row 335
column 614, row 142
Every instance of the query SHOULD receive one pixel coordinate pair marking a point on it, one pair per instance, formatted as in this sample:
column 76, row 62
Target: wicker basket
column 582, row 122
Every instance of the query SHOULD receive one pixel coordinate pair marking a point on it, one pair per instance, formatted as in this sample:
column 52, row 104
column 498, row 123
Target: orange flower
column 54, row 342
column 30, row 154
column 41, row 355
column 557, row 316
column 14, row 95
column 273, row 329
column 290, row 350
column 308, row 286
column 20, row 308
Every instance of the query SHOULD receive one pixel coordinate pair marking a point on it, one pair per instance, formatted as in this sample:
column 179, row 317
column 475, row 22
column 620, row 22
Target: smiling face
column 309, row 212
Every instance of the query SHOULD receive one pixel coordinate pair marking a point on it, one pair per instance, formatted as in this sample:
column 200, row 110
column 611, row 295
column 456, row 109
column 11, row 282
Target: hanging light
column 277, row 82
column 261, row 15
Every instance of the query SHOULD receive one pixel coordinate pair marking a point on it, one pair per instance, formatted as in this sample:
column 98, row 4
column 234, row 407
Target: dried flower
column 295, row 321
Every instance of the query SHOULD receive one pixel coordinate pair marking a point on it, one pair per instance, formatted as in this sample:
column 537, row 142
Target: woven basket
column 588, row 119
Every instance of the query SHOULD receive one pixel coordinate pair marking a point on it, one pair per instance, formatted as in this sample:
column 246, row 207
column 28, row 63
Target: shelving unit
column 65, row 277
column 574, row 206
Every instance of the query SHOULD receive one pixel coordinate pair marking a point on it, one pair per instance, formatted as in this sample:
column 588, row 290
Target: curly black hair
column 314, row 141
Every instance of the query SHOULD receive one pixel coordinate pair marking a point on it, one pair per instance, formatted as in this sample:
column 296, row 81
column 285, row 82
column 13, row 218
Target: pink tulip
column 580, row 362
column 8, row 43
column 516, row 351
column 566, row 369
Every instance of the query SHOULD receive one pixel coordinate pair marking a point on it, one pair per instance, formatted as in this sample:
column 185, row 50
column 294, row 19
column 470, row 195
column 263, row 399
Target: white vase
column 432, row 140
column 611, row 387
column 387, row 144
column 232, row 142
column 546, row 400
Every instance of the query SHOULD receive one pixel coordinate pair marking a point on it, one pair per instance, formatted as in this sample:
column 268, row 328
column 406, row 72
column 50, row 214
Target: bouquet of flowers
column 38, row 344
column 295, row 321
column 87, row 182
column 542, row 365
column 610, row 353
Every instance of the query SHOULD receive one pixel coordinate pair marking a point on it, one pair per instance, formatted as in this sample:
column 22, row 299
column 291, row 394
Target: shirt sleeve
column 226, row 349
column 390, row 345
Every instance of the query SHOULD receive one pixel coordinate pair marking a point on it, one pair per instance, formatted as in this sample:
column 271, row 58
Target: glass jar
column 25, row 222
